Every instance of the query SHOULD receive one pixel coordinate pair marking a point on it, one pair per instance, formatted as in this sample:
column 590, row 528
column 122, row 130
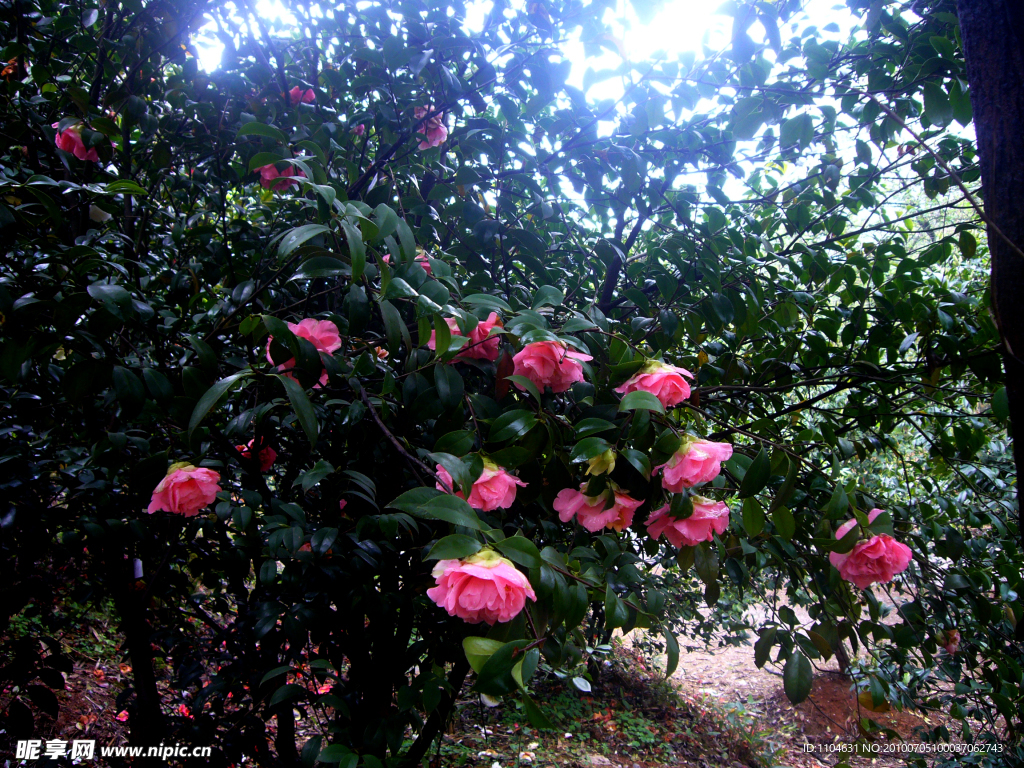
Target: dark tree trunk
column 147, row 720
column 993, row 36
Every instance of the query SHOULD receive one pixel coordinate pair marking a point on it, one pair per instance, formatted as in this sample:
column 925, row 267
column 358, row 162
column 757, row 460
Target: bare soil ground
column 727, row 713
column 727, row 677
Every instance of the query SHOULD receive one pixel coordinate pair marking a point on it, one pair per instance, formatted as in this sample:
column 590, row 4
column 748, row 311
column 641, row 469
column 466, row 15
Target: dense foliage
column 304, row 250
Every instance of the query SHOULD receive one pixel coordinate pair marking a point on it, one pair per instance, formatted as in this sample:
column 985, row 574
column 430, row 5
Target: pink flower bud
column 322, row 334
column 550, row 364
column 709, row 517
column 696, row 462
column 267, row 456
column 877, row 559
column 483, row 588
column 297, row 96
column 595, row 513
column 495, row 487
column 481, row 345
column 279, row 181
column 185, row 490
column 434, row 129
column 664, row 381
column 70, row 140
column 949, row 639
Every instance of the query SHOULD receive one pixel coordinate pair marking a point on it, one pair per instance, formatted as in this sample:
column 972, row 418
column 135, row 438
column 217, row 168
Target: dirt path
column 727, row 679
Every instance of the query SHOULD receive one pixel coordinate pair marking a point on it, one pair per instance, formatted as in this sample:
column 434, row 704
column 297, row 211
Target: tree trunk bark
column 993, row 37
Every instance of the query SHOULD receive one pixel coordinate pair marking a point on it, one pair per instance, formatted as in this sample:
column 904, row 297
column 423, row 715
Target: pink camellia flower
column 484, row 587
column 279, row 181
column 185, row 490
column 495, row 487
column 709, row 517
column 359, row 130
column 591, row 511
column 434, row 128
column 550, row 364
column 70, row 140
column 322, row 334
column 481, row 345
column 878, row 559
column 421, row 258
column 297, row 96
column 949, row 639
column 267, row 456
column 696, row 462
column 664, row 381
column 342, row 504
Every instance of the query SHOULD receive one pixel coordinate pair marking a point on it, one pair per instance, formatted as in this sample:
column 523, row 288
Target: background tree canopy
column 796, row 220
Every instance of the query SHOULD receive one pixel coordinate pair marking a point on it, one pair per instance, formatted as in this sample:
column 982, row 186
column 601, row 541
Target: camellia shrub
column 373, row 366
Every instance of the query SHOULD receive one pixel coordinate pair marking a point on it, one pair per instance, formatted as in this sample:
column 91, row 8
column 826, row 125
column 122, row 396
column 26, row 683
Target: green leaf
column 478, row 650
column 454, row 547
column 159, row 387
column 753, row 517
column 533, row 713
column 105, row 292
column 488, row 301
column 431, row 504
column 638, row 460
column 908, row 341
column 261, row 129
column 615, row 612
column 1001, row 404
column 303, row 409
column 495, row 678
column 520, row 550
column 511, row 424
column 763, row 646
column 797, row 130
column 356, row 249
column 393, row 326
column 312, row 477
column 298, row 236
column 797, row 677
column 640, row 400
column 705, row 558
column 588, row 448
column 287, row 693
column 124, row 187
column 450, row 387
column 784, row 521
column 442, row 336
column 339, row 753
column 129, row 389
column 211, row 397
column 937, row 108
column 524, row 383
column 276, row 672
column 399, row 289
column 260, row 159
column 548, row 296
column 723, row 308
column 321, row 266
column 757, row 475
column 671, row 651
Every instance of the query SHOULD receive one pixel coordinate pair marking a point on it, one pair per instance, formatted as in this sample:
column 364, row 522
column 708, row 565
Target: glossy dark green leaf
column 757, row 475
column 213, row 395
column 302, row 407
column 797, row 676
column 638, row 400
column 454, row 547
